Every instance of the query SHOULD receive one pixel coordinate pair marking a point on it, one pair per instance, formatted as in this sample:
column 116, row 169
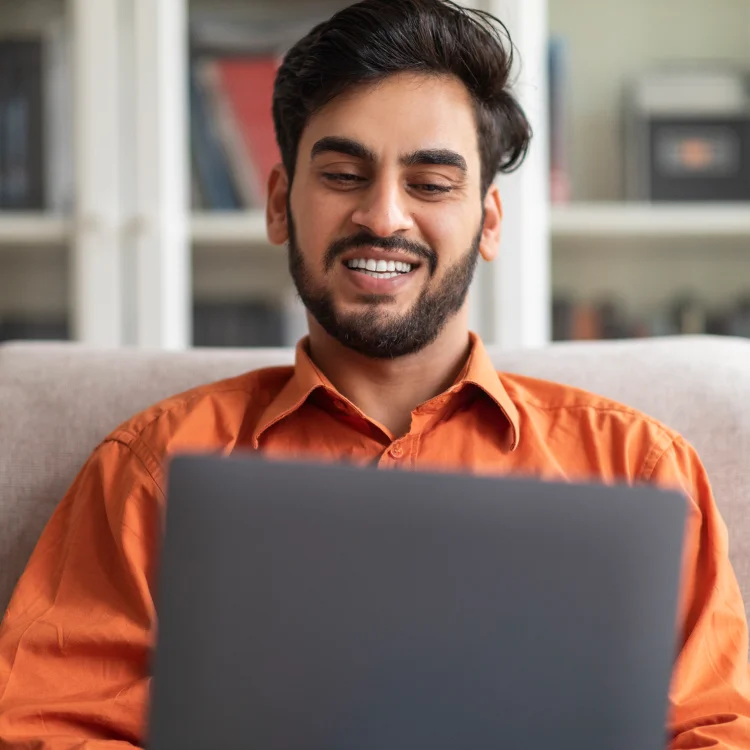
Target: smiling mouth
column 380, row 269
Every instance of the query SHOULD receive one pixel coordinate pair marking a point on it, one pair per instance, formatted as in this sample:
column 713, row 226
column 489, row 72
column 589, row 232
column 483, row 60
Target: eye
column 432, row 189
column 343, row 178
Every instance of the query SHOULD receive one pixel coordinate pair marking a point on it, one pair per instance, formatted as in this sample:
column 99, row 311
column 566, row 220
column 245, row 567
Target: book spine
column 240, row 164
column 3, row 116
column 208, row 150
column 37, row 151
column 23, row 126
column 237, row 324
column 560, row 183
column 248, row 83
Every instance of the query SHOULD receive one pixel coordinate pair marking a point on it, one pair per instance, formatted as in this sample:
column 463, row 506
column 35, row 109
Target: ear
column 276, row 215
column 493, row 224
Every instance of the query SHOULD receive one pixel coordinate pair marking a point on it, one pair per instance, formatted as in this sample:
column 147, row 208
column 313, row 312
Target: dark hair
column 374, row 39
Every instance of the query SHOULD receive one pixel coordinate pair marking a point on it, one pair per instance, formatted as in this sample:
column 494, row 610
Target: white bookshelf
column 650, row 221
column 128, row 256
column 610, row 42
column 35, row 230
column 642, row 257
column 229, row 229
column 577, row 221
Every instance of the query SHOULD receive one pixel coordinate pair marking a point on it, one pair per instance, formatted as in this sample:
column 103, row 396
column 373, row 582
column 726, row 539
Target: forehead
column 401, row 114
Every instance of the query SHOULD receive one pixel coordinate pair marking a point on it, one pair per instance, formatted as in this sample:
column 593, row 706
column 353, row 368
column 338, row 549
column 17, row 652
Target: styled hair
column 374, row 39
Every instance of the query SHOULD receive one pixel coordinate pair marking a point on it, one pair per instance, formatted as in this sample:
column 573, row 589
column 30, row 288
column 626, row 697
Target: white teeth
column 383, row 268
column 376, row 275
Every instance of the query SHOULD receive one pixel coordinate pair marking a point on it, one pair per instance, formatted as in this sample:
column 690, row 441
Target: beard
column 373, row 332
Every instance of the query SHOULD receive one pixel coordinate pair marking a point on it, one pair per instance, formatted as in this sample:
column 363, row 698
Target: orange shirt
column 74, row 645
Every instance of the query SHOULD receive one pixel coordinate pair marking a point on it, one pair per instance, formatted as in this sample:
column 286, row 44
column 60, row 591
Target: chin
column 364, row 303
column 380, row 312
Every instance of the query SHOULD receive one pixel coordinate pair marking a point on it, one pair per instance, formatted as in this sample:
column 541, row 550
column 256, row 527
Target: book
column 33, row 328
column 248, row 84
column 237, row 324
column 241, row 167
column 4, row 95
column 211, row 165
column 682, row 315
column 559, row 95
column 22, row 144
column 562, row 318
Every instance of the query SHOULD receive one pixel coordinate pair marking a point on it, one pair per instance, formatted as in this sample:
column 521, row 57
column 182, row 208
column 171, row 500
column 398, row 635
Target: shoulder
column 211, row 417
column 588, row 430
column 544, row 397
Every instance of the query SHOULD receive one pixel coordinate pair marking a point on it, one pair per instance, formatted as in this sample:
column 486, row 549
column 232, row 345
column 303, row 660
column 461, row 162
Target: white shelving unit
column 229, row 229
column 576, row 221
column 128, row 258
column 129, row 239
column 650, row 221
column 643, row 257
column 35, row 230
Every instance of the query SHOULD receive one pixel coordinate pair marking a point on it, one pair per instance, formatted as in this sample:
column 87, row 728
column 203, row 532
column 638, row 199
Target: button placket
column 396, row 450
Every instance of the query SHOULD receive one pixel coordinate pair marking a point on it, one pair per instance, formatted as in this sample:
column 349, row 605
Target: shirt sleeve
column 75, row 642
column 710, row 693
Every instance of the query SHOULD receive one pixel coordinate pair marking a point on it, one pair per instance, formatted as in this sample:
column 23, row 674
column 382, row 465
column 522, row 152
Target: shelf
column 596, row 220
column 219, row 228
column 574, row 221
column 33, row 229
column 650, row 220
column 225, row 228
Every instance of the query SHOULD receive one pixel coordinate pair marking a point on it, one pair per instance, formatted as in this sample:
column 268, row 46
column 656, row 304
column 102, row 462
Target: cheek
column 311, row 229
column 450, row 231
column 319, row 219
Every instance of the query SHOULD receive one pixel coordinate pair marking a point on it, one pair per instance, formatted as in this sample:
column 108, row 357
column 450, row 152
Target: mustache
column 363, row 239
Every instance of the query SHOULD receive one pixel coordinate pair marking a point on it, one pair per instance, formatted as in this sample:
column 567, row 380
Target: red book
column 248, row 86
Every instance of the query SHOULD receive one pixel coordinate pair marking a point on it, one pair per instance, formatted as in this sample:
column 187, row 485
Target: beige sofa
column 58, row 400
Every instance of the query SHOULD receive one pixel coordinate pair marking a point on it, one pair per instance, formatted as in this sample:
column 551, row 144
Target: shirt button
column 397, row 450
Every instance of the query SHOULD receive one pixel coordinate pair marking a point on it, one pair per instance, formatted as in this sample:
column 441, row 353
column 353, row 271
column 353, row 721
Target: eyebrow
column 435, row 156
column 441, row 157
column 346, row 146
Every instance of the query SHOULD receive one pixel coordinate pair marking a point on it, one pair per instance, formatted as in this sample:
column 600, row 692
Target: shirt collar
column 478, row 372
column 481, row 373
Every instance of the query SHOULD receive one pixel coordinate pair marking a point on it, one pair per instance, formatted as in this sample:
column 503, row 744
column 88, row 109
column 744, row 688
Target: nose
column 383, row 210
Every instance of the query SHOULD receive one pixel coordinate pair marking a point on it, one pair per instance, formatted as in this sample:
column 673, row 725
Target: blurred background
column 136, row 138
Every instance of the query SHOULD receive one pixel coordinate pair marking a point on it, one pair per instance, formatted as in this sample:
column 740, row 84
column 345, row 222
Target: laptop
column 326, row 607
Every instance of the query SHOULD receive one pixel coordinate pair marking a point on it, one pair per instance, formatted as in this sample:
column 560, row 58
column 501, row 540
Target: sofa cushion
column 57, row 401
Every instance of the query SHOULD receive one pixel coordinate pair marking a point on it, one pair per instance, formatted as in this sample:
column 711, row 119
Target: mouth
column 381, row 273
column 380, row 269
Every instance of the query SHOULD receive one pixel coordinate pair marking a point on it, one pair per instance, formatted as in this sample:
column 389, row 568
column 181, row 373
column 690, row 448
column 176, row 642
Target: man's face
column 385, row 214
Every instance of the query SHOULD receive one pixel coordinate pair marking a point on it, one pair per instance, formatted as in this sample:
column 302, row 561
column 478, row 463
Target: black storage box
column 687, row 136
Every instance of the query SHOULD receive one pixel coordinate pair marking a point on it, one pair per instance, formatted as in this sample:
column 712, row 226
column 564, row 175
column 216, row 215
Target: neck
column 388, row 390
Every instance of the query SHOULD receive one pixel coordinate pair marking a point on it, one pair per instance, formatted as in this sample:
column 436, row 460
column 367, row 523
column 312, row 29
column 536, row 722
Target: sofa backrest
column 57, row 401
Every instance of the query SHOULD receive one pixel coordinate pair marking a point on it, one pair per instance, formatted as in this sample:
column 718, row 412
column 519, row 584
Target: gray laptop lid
column 311, row 607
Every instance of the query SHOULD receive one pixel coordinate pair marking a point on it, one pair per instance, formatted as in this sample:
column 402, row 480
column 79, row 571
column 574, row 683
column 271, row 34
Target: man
column 393, row 118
